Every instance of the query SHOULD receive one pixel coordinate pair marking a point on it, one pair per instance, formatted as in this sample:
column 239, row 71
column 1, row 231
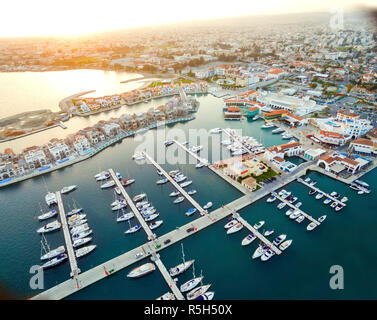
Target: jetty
column 142, row 222
column 67, row 237
column 193, row 154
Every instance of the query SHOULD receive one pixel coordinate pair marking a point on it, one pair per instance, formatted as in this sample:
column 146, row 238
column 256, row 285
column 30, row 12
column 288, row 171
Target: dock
column 320, row 191
column 171, row 283
column 254, row 231
column 292, row 206
column 176, row 185
column 142, row 222
column 67, row 237
column 193, row 154
column 239, row 142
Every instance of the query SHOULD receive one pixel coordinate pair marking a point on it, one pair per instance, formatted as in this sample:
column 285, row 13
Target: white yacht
column 108, row 184
column 268, row 232
column 193, row 294
column 155, row 224
column 185, row 184
column 151, row 217
column 77, row 222
column 52, row 226
column 119, row 206
column 191, row 192
column 277, row 130
column 167, row 296
column 235, row 228
column 248, row 239
column 138, row 156
column 322, row 218
column 267, row 125
column 294, row 215
column 279, row 239
column 311, row 226
column 231, row 224
column 199, row 165
column 53, row 253
column 262, row 248
column 141, row 270
column 125, row 217
column 50, row 198
column 258, row 225
column 174, row 193
column 48, row 215
column 327, row 201
column 271, row 199
column 182, row 267
column 285, row 245
column 118, row 201
column 78, row 229
column 281, row 205
column 80, row 242
column 168, row 143
column 179, row 200
column 162, row 181
column 216, row 130
column 101, row 174
column 319, row 196
column 267, row 255
column 104, row 176
column 139, row 197
column 207, row 205
column 55, row 261
column 84, row 250
column 286, row 135
column 81, row 235
column 133, row 229
column 300, row 219
column 127, row 182
column 68, row 189
column 191, row 284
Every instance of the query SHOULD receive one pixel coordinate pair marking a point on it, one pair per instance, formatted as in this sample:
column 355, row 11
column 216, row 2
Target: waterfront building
column 313, row 154
column 237, row 170
column 233, row 113
column 352, row 124
column 289, row 149
column 362, row 145
column 35, row 157
column 81, row 143
column 336, row 163
column 282, row 164
column 332, row 138
column 252, row 112
column 275, row 114
column 110, row 129
column 372, row 135
column 94, row 135
column 57, row 149
column 249, row 183
column 8, row 155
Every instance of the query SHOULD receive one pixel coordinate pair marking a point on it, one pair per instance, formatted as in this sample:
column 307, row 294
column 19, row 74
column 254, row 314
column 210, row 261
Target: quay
column 176, row 185
column 292, row 206
column 67, row 237
column 171, row 283
column 320, row 191
column 193, row 154
column 142, row 222
column 260, row 236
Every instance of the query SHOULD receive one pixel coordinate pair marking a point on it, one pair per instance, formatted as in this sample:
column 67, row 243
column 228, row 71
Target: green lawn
column 269, row 174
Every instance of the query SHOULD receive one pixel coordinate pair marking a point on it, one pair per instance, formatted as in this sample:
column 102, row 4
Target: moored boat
column 190, row 212
column 84, row 250
column 207, row 205
column 179, row 200
column 311, row 226
column 139, row 197
column 322, row 218
column 248, row 239
column 193, row 294
column 155, row 224
column 79, row 242
column 258, row 225
column 50, row 198
column 279, row 239
column 285, row 245
column 48, row 215
column 49, row 227
column 141, row 270
column 133, row 229
column 68, row 189
column 182, row 267
column 237, row 227
column 191, row 284
column 231, row 224
column 55, row 261
column 53, row 253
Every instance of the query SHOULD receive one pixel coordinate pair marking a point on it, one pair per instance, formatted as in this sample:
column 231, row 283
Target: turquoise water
column 302, row 272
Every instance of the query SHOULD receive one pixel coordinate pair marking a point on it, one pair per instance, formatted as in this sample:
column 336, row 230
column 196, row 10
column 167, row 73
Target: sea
column 345, row 240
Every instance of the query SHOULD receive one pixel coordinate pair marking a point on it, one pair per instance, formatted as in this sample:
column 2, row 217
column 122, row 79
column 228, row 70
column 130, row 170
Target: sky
column 22, row 18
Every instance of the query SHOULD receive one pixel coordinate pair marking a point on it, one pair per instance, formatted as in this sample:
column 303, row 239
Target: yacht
column 279, row 239
column 55, row 225
column 255, row 118
column 268, row 232
column 142, row 204
column 118, row 201
column 179, row 200
column 298, row 205
column 53, row 253
column 185, row 184
column 285, row 245
column 262, row 248
column 133, row 229
column 300, row 219
column 289, row 212
column 74, row 211
column 180, row 178
column 141, row 270
column 258, row 225
column 101, row 174
column 173, row 172
column 322, row 218
column 77, row 222
column 281, row 205
column 286, row 135
column 68, row 189
column 162, row 181
column 216, row 130
column 292, row 199
column 267, row 125
column 190, row 212
column 55, row 261
column 159, row 172
column 313, row 183
column 208, row 205
column 81, row 235
column 344, row 199
column 248, row 239
column 182, row 267
column 307, row 180
column 155, row 224
column 339, row 207
column 174, row 193
column 191, row 192
column 267, row 255
column 148, row 211
column 127, row 182
column 199, row 165
column 311, row 192
column 191, row 284
column 327, row 201
column 362, row 183
column 84, row 251
column 319, row 196
column 311, row 226
column 80, row 242
column 271, row 199
column 78, row 229
column 76, row 217
column 334, row 204
column 139, row 197
column 48, row 215
column 231, row 224
column 193, row 294
column 167, row 296
column 235, row 228
column 151, row 217
column 277, row 130
column 50, row 198
column 294, row 215
column 125, row 217
column 168, row 143
column 119, row 206
column 138, row 157
column 195, row 148
column 108, row 184
column 104, row 176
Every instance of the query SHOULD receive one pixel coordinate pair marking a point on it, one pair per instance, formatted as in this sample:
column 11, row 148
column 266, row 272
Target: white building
column 35, row 157
column 58, row 150
column 81, row 144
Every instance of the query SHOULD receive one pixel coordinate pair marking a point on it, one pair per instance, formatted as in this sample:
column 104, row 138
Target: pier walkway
column 67, row 237
column 193, row 154
column 176, row 185
column 142, row 222
column 239, row 142
column 260, row 236
column 292, row 206
column 171, row 283
column 320, row 191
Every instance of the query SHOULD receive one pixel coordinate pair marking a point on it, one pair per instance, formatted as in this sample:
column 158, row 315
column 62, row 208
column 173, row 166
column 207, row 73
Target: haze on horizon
column 75, row 18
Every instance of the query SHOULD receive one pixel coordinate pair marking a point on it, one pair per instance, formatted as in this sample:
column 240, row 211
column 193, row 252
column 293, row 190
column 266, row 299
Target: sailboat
column 47, row 215
column 46, row 252
column 182, row 267
column 75, row 210
column 191, row 284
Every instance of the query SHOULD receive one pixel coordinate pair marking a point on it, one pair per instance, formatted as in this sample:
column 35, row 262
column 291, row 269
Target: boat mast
column 193, row 270
column 44, row 245
column 183, row 254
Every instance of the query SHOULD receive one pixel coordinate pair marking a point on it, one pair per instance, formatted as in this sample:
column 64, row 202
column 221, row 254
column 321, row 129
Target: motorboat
column 49, row 227
column 237, row 227
column 289, row 212
column 344, row 199
column 285, row 245
column 155, row 224
column 216, row 130
column 53, row 253
column 76, row 217
column 168, row 143
column 271, row 199
column 162, row 181
column 267, row 125
column 300, row 219
column 262, row 248
column 334, row 204
column 139, row 197
column 50, row 198
column 127, row 182
column 268, row 232
column 179, row 200
column 281, row 205
column 312, row 191
column 142, row 270
column 84, row 250
column 174, row 193
column 55, row 261
column 258, row 225
column 118, row 202
column 191, row 192
column 206, row 296
column 231, row 224
column 78, row 229
column 185, row 184
column 80, row 242
column 77, row 222
column 167, row 296
column 180, row 178
column 311, row 226
column 279, row 239
column 182, row 267
column 191, row 284
column 151, row 217
column 322, row 218
column 190, row 212
column 48, row 215
column 193, row 294
column 207, row 205
column 267, row 255
column 138, row 157
column 339, row 207
column 148, row 211
column 307, row 180
column 133, row 229
column 74, row 211
column 277, row 130
column 142, row 204
column 286, row 135
column 294, row 215
column 102, row 173
column 108, row 184
column 125, row 217
column 104, row 176
column 362, row 183
column 248, row 239
column 319, row 196
column 81, row 235
column 298, row 205
column 199, row 165
column 173, row 172
column 327, row 201
column 313, row 183
column 68, row 189
column 159, row 172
